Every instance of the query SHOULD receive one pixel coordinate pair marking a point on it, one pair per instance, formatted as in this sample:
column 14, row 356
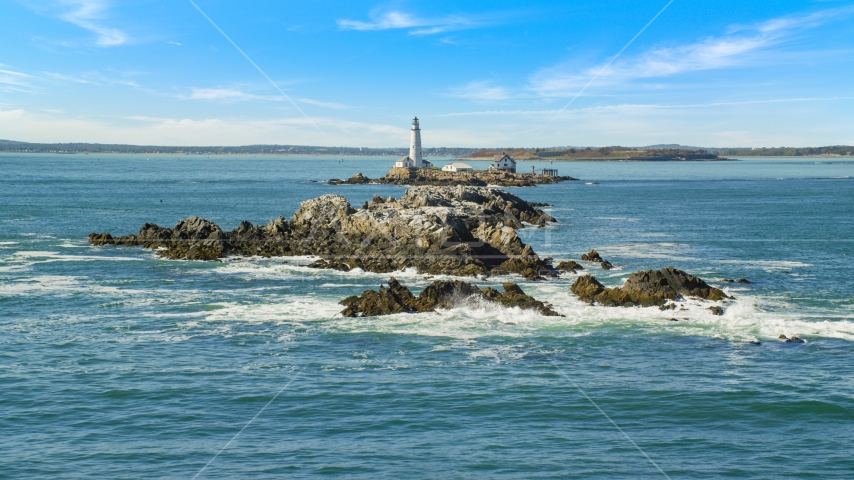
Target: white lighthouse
column 414, row 159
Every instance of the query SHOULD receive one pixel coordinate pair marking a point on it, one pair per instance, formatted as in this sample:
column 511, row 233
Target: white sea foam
column 35, row 254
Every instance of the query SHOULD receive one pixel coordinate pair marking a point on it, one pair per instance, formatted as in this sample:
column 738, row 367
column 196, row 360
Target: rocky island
column 477, row 178
column 464, row 231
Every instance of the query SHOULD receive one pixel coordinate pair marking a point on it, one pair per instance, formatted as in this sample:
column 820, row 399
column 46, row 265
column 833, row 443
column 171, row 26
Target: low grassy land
column 604, row 153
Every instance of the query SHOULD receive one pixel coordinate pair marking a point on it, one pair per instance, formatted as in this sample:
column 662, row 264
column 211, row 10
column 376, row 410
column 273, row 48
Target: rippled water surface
column 116, row 363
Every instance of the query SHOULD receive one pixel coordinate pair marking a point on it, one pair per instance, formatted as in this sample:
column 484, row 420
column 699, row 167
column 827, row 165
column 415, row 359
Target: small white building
column 504, row 163
column 404, row 162
column 457, row 167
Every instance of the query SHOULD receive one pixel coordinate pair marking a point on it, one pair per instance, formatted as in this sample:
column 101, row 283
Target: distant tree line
column 23, row 147
column 657, row 151
column 788, row 151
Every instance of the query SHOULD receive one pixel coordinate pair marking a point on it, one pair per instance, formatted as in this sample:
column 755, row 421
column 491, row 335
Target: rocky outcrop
column 593, row 256
column 438, row 230
column 443, row 294
column 646, row 288
column 357, row 179
column 475, row 178
column 570, row 266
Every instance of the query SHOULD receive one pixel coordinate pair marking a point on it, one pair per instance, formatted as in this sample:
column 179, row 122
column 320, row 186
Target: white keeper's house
column 504, row 163
column 457, row 167
column 414, row 159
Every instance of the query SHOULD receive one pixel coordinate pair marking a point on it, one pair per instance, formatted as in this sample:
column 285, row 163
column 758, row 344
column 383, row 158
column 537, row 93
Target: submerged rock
column 444, row 294
column 646, row 288
column 790, row 339
column 460, row 230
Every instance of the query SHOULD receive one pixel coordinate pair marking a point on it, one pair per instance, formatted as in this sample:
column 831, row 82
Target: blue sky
column 497, row 73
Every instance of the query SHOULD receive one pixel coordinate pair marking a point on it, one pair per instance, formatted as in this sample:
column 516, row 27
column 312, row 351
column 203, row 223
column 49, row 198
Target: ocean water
column 115, row 363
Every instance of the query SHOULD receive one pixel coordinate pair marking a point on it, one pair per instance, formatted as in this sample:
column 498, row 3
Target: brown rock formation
column 646, row 288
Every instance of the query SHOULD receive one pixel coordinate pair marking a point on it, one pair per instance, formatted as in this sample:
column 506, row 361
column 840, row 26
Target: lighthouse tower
column 415, row 144
column 414, row 159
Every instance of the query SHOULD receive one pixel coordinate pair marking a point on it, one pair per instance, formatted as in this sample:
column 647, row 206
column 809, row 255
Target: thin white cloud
column 173, row 43
column 91, row 78
column 391, row 20
column 11, row 77
column 12, row 81
column 637, row 106
column 479, row 90
column 89, row 14
column 318, row 103
column 227, row 94
column 740, row 46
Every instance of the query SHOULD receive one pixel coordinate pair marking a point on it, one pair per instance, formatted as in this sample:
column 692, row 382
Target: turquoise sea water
column 115, row 363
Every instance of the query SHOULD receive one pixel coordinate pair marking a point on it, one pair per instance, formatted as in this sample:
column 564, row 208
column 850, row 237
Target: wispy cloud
column 227, row 94
column 740, row 46
column 11, row 77
column 391, row 20
column 89, row 14
column 90, row 78
column 638, row 107
column 318, row 103
column 479, row 90
column 12, row 81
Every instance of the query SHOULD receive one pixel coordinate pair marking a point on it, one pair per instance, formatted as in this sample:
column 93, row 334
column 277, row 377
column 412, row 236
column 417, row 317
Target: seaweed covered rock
column 646, row 288
column 444, row 294
column 459, row 230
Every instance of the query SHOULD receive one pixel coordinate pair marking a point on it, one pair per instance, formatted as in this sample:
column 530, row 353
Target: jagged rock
column 716, row 310
column 443, row 294
column 742, row 280
column 458, row 230
column 606, row 265
column 646, row 288
column 591, row 256
column 394, row 299
column 791, row 339
column 569, row 266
